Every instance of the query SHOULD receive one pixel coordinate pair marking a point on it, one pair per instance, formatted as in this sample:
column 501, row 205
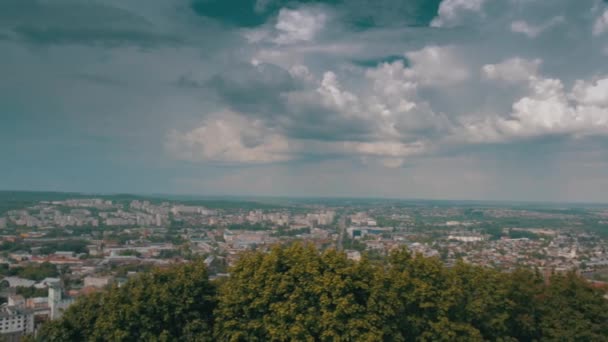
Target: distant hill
column 11, row 200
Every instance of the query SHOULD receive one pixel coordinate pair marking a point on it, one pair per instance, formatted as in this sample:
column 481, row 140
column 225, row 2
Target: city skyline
column 453, row 99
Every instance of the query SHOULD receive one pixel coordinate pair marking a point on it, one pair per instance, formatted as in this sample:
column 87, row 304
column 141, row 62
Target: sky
column 452, row 99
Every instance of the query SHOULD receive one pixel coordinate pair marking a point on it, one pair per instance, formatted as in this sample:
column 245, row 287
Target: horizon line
column 300, row 197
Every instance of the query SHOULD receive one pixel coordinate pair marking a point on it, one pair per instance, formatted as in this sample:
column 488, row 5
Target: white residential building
column 98, row 282
column 16, row 320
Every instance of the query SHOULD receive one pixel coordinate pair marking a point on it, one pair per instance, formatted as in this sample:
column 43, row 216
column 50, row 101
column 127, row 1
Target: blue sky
column 452, row 99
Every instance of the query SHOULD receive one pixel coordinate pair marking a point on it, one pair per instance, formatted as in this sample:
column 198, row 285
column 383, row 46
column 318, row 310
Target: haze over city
column 453, row 99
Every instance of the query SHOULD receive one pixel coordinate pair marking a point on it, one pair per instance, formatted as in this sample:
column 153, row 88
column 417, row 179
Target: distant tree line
column 68, row 245
column 36, row 272
column 282, row 231
column 298, row 293
column 30, row 292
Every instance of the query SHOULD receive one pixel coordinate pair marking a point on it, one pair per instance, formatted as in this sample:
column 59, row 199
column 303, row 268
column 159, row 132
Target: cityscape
column 303, row 170
column 55, row 250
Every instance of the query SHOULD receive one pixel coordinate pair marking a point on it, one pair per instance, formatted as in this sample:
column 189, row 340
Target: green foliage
column 248, row 226
column 386, row 222
column 494, row 231
column 162, row 305
column 76, row 246
column 291, row 232
column 10, row 247
column 123, row 270
column 520, row 234
column 169, row 254
column 130, row 252
column 30, row 292
column 571, row 310
column 297, row 293
column 35, row 272
column 354, row 244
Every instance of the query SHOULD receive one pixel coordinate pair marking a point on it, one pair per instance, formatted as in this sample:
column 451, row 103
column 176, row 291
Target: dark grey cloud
column 189, row 81
column 365, row 14
column 65, row 22
column 98, row 79
column 239, row 13
column 357, row 14
column 254, row 89
column 92, row 36
column 315, row 122
column 374, row 62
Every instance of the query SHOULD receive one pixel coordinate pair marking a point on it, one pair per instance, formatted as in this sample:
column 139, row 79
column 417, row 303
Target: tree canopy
column 298, row 293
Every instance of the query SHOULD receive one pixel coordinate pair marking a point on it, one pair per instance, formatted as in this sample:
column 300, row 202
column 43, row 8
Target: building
column 353, row 255
column 57, row 304
column 98, row 282
column 466, row 238
column 356, row 232
column 15, row 321
column 17, row 282
column 44, row 283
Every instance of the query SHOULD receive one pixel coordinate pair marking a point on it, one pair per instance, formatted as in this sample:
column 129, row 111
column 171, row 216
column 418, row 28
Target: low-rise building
column 98, row 282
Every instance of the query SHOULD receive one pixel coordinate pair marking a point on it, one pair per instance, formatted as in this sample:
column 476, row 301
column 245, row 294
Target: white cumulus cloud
column 452, row 12
column 512, row 70
column 601, row 24
column 547, row 108
column 229, row 137
column 594, row 93
column 299, row 25
column 437, row 66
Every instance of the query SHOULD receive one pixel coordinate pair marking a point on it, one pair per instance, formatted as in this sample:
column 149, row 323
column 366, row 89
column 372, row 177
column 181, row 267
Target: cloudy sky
column 452, row 99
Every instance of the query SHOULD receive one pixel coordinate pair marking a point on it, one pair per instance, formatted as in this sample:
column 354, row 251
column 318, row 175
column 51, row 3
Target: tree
column 571, row 309
column 30, row 292
column 295, row 293
column 35, row 272
column 77, row 323
column 162, row 305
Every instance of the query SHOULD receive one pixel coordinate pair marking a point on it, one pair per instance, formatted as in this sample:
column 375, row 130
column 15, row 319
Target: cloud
column 532, row 31
column 367, row 15
column 437, row 66
column 594, row 93
column 452, row 12
column 228, row 138
column 393, row 149
column 255, row 89
column 66, row 22
column 547, row 108
column 293, row 26
column 332, row 96
column 99, row 79
column 299, row 25
column 384, row 121
column 292, row 84
column 388, row 103
column 601, row 24
column 513, row 70
column 248, row 13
